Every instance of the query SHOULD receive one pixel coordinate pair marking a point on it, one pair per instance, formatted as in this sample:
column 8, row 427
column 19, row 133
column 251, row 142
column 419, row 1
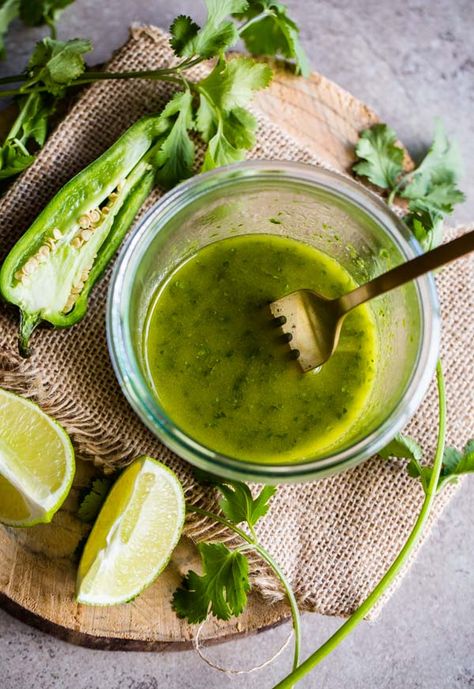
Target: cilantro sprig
column 28, row 130
column 455, row 463
column 53, row 66
column 31, row 13
column 218, row 34
column 221, row 590
column 39, row 12
column 270, row 31
column 214, row 108
column 431, row 189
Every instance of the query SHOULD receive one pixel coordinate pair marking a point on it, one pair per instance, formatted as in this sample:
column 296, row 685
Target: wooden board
column 38, row 565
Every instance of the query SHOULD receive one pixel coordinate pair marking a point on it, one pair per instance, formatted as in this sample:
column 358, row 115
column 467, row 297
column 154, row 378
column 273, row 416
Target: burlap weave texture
column 334, row 538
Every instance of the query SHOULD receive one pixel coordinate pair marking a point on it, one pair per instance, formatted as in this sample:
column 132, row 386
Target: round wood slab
column 38, row 565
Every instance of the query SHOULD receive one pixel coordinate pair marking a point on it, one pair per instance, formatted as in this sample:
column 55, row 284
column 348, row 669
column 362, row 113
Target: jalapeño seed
column 84, row 222
column 94, row 215
column 30, row 266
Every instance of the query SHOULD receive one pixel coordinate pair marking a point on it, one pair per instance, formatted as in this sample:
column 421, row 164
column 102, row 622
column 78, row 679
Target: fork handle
column 408, row 271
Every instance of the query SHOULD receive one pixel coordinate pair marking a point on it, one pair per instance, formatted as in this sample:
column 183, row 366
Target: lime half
column 136, row 531
column 36, row 462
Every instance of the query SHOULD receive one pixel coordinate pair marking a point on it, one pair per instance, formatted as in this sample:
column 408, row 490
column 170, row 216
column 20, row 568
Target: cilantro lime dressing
column 220, row 372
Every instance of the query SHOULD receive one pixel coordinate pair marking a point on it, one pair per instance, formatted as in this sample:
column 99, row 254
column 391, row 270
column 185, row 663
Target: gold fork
column 312, row 323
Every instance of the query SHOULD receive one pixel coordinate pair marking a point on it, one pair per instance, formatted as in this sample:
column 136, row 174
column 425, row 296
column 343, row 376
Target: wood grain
column 38, row 565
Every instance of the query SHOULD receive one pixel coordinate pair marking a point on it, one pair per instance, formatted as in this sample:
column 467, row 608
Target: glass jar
column 324, row 209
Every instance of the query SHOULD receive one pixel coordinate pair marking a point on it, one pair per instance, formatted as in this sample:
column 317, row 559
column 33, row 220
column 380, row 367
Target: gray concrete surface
column 412, row 61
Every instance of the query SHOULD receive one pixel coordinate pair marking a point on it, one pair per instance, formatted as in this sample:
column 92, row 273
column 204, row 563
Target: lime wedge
column 134, row 535
column 36, row 462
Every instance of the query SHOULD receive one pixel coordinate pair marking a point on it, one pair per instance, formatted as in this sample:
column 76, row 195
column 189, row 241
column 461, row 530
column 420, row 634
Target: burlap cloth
column 334, row 538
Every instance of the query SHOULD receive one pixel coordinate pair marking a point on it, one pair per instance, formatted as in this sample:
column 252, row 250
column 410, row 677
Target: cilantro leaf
column 455, row 464
column 94, row 499
column 403, row 447
column 176, row 156
column 183, row 30
column 432, row 187
column 427, row 226
column 221, row 590
column 274, row 34
column 241, row 126
column 218, row 33
column 9, row 10
column 238, row 504
column 13, row 160
column 35, row 113
column 231, row 83
column 222, row 119
column 56, row 64
column 206, row 118
column 220, row 151
column 228, row 143
column 381, row 159
column 28, row 131
column 38, row 12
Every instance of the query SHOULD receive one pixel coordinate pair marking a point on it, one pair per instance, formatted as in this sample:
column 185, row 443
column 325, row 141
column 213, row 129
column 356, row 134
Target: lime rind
column 100, row 566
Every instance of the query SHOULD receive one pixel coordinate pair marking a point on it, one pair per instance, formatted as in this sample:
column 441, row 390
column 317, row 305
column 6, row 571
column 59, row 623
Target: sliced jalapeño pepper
column 51, row 270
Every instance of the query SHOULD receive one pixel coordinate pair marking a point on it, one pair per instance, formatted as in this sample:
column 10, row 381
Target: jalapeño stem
column 28, row 322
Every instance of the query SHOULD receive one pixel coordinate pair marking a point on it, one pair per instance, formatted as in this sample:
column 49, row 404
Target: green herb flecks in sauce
column 219, row 370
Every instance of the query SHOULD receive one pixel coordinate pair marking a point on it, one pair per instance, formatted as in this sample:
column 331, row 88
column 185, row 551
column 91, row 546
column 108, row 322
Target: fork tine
column 297, row 327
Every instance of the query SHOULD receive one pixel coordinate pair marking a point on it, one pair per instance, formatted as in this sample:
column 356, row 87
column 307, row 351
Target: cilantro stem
column 90, row 76
column 17, row 124
column 97, row 76
column 252, row 531
column 221, row 520
column 324, row 650
column 13, row 79
column 254, row 20
column 52, row 27
column 157, row 75
column 265, row 555
column 395, row 191
column 7, row 93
